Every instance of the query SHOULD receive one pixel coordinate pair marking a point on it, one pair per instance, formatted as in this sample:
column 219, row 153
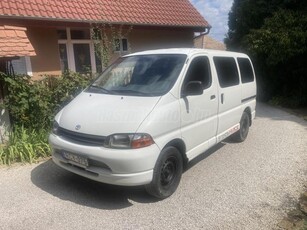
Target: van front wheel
column 167, row 173
column 241, row 135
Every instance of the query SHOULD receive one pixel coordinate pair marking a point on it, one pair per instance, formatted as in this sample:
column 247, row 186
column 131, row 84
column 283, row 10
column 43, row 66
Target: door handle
column 222, row 98
column 212, row 97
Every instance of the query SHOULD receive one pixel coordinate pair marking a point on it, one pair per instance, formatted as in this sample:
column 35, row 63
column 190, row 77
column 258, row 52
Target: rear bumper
column 111, row 166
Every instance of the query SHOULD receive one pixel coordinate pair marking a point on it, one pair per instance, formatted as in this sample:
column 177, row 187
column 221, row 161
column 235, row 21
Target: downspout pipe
column 203, row 35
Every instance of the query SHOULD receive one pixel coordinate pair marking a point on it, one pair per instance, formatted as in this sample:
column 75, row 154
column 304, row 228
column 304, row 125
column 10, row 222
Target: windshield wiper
column 132, row 92
column 101, row 89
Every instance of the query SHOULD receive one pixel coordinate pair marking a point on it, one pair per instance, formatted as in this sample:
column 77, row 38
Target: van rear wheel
column 167, row 173
column 241, row 135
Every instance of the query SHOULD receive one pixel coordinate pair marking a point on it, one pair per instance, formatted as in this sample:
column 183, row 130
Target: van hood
column 104, row 114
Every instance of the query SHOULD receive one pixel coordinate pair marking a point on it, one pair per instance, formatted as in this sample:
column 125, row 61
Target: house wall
column 148, row 39
column 45, row 43
column 156, row 39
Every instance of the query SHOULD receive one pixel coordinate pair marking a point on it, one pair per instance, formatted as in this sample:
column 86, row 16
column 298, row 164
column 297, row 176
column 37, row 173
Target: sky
column 216, row 13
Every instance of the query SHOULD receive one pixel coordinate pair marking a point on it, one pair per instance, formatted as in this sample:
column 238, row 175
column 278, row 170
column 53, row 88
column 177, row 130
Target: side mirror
column 193, row 88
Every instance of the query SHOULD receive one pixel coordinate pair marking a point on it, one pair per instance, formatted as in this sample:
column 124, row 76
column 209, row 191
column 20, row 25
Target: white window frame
column 70, row 50
column 28, row 66
column 121, row 50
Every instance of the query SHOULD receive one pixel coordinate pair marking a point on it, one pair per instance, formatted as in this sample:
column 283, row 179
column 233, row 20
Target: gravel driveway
column 232, row 186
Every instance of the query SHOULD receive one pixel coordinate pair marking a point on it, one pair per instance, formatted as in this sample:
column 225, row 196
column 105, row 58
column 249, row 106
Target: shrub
column 32, row 106
column 66, row 87
column 29, row 103
column 25, row 145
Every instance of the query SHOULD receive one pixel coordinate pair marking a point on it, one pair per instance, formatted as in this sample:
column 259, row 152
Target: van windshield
column 144, row 75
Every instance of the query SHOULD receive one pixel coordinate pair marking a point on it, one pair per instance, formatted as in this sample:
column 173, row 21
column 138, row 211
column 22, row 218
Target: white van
column 151, row 112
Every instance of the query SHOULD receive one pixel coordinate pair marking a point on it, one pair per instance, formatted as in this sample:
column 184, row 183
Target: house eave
column 195, row 28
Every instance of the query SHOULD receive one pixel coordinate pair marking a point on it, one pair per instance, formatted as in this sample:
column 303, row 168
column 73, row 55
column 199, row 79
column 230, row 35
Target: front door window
column 82, row 56
column 63, row 57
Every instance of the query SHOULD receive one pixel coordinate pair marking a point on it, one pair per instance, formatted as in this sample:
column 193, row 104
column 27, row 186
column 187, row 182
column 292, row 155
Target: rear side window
column 199, row 70
column 246, row 70
column 227, row 71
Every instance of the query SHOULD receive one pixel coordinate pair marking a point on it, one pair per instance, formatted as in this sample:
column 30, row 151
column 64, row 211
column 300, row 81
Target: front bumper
column 112, row 166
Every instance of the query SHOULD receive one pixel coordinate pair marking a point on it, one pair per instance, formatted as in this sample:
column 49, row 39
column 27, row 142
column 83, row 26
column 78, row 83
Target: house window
column 19, row 65
column 121, row 45
column 77, row 51
column 83, row 34
column 62, row 34
column 22, row 65
column 63, row 57
column 82, row 55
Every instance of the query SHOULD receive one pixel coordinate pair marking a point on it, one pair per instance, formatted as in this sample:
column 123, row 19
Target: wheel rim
column 244, row 127
column 168, row 171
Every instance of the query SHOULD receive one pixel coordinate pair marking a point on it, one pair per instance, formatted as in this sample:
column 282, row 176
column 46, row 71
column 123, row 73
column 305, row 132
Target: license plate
column 81, row 161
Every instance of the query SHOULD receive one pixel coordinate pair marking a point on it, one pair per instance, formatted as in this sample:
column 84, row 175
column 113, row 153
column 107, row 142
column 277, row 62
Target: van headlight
column 55, row 127
column 128, row 141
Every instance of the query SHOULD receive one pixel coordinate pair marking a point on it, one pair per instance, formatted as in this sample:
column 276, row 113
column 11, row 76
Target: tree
column 282, row 45
column 282, row 37
column 244, row 16
column 273, row 33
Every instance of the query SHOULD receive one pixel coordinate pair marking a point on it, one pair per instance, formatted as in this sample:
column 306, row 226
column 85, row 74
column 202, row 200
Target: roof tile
column 158, row 12
column 14, row 42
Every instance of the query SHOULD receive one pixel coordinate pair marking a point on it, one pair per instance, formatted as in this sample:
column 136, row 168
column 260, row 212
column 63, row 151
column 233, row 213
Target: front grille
column 81, row 138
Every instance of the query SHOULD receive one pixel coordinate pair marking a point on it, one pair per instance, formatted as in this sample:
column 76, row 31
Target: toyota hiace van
column 151, row 112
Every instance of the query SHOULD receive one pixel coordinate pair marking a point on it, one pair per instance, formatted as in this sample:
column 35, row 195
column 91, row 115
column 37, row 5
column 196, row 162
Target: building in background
column 60, row 31
column 206, row 42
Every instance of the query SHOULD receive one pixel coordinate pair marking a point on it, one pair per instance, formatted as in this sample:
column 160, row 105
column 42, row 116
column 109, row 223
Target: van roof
column 189, row 52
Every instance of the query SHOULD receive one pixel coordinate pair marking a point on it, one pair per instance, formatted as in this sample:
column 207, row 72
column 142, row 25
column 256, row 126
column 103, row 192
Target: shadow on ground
column 71, row 187
column 206, row 154
column 274, row 113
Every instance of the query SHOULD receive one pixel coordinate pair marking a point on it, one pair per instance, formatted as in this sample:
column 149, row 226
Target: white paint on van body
column 198, row 121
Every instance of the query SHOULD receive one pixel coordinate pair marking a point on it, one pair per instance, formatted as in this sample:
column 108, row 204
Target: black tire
column 167, row 173
column 241, row 135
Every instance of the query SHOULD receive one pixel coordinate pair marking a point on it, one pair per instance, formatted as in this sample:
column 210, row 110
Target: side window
column 227, row 71
column 246, row 70
column 120, row 45
column 199, row 70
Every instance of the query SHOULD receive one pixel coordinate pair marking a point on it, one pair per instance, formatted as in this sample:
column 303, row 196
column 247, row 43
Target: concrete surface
column 233, row 186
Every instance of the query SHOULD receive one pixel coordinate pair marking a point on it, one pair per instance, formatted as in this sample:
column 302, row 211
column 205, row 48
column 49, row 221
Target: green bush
column 66, row 87
column 32, row 106
column 25, row 145
column 29, row 103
